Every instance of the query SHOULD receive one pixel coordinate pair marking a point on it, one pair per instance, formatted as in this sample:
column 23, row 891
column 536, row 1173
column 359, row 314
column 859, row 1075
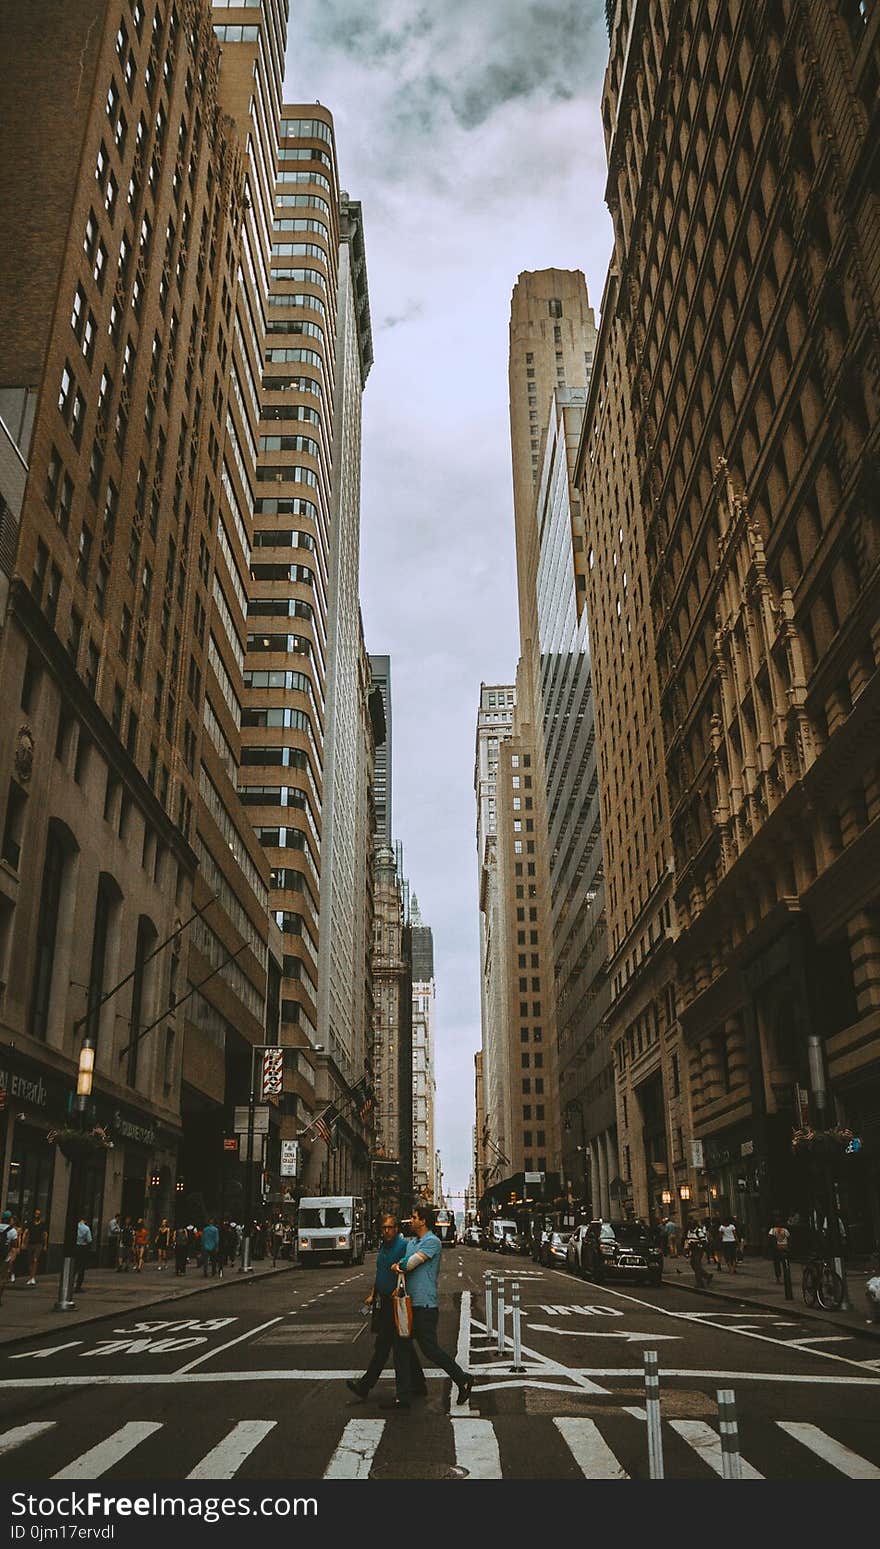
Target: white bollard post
column 652, row 1398
column 516, row 1315
column 487, row 1289
column 500, row 1294
column 731, row 1461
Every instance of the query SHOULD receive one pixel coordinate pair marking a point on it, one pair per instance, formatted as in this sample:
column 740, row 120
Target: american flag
column 323, row 1124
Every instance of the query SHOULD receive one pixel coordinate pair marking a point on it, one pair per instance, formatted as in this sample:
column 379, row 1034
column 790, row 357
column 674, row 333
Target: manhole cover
column 316, row 1334
column 418, row 1469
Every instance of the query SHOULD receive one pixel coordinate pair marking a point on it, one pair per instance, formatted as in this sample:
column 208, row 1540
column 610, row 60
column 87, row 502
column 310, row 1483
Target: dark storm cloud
column 462, row 61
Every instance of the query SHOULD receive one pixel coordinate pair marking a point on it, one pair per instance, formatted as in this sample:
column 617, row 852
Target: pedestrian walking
column 141, row 1238
column 392, row 1248
column 872, row 1291
column 181, row 1250
column 126, row 1245
column 421, row 1266
column 113, row 1231
column 210, row 1244
column 8, row 1250
column 713, row 1235
column 163, row 1243
column 696, row 1245
column 780, row 1242
column 82, row 1251
column 37, row 1244
column 729, row 1242
column 670, row 1230
column 277, row 1239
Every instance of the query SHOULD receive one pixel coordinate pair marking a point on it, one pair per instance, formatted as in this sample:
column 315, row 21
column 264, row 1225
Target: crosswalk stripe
column 476, row 1448
column 17, row 1437
column 707, row 1444
column 224, row 1460
column 91, row 1464
column 831, row 1451
column 589, row 1449
column 354, row 1456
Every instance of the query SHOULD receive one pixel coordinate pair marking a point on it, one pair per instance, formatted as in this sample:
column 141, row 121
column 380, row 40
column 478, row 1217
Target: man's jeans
column 383, row 1347
column 425, row 1321
column 209, row 1256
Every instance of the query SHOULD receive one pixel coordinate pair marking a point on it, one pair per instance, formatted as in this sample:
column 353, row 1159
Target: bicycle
column 821, row 1283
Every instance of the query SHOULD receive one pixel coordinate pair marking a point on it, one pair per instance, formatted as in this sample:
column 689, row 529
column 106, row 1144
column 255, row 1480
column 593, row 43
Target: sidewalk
column 754, row 1283
column 27, row 1312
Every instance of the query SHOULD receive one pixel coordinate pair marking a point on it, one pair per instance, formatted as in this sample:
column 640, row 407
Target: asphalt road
column 248, row 1383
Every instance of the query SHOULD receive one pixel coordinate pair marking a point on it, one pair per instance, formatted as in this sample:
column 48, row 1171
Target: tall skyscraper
column 381, row 669
column 494, row 726
column 747, row 369
column 424, row 1083
column 120, row 279
column 392, row 1038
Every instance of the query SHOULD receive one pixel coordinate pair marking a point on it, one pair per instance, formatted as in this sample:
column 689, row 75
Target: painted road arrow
column 588, row 1333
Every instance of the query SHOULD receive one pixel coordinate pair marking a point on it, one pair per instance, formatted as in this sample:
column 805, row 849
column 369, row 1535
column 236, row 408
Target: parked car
column 612, row 1249
column 472, row 1237
column 553, row 1248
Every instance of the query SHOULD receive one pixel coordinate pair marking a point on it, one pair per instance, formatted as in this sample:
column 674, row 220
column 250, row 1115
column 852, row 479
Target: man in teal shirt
column 392, row 1246
column 421, row 1266
column 210, row 1244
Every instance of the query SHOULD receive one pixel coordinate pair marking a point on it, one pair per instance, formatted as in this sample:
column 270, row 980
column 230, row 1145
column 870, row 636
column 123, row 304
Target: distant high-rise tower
column 423, row 1070
column 381, row 670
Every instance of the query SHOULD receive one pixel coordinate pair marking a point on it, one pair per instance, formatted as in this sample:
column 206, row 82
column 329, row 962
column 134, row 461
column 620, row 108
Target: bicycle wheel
column 810, row 1284
column 829, row 1291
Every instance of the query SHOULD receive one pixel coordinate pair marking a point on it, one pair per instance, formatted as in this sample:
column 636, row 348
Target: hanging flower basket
column 79, row 1144
column 820, row 1143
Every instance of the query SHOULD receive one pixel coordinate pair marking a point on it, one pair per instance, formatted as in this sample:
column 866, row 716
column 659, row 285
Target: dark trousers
column 696, row 1257
column 382, row 1348
column 425, row 1321
column 209, row 1258
column 81, row 1259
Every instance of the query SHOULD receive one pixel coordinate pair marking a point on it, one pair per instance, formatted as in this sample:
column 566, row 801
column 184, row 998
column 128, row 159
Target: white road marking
column 707, row 1320
column 580, row 1379
column 218, row 1350
column 41, row 1355
column 97, row 1461
column 19, row 1434
column 224, row 1460
column 582, row 1376
column 823, row 1339
column 589, row 1333
column 476, row 1448
column 354, row 1456
column 833, row 1452
column 462, row 1346
column 707, row 1444
column 590, row 1451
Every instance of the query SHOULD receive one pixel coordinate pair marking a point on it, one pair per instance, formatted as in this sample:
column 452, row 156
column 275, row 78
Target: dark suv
column 617, row 1248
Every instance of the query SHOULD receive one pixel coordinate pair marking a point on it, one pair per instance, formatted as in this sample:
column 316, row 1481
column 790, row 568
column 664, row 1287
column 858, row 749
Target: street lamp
column 85, row 1071
column 574, row 1105
column 666, row 1196
column 684, row 1192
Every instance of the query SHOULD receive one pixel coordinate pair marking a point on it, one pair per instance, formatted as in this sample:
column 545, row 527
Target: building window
column 46, row 933
column 13, row 830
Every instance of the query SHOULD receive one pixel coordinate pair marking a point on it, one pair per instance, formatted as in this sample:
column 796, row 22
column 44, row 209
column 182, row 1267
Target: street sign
column 697, row 1154
column 289, row 1158
column 533, row 1177
column 230, row 1143
column 261, row 1120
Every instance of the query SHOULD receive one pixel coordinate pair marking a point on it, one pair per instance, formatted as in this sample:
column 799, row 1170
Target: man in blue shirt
column 421, row 1266
column 210, row 1244
column 392, row 1246
column 82, row 1251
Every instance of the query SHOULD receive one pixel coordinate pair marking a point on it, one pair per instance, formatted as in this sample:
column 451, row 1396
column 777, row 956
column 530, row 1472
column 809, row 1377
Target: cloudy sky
column 471, row 133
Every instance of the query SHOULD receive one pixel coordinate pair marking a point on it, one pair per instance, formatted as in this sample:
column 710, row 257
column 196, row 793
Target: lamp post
column 85, row 1071
column 574, row 1105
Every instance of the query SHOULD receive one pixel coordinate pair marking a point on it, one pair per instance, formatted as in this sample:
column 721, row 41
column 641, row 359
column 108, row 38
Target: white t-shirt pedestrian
column 728, row 1233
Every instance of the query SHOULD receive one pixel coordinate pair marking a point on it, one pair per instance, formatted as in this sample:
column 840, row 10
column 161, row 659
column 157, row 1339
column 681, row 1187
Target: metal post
column 246, row 1246
column 500, row 1290
column 65, row 1302
column 652, row 1403
column 731, row 1462
column 487, row 1289
column 516, row 1315
column 786, row 1278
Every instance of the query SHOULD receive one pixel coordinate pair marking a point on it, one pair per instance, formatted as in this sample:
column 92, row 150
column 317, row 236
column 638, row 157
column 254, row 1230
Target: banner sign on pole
column 258, row 1150
column 261, row 1120
column 273, row 1066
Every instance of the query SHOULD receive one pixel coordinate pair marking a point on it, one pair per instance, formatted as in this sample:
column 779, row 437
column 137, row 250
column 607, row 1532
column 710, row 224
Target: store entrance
column 30, row 1174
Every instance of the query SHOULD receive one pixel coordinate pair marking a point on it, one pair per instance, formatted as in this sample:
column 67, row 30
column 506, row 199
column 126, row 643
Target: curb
column 99, row 1317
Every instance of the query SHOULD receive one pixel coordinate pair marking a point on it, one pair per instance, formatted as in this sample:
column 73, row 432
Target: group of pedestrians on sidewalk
column 419, row 1263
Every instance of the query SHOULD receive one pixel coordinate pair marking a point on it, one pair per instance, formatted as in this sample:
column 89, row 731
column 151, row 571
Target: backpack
column 5, row 1242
